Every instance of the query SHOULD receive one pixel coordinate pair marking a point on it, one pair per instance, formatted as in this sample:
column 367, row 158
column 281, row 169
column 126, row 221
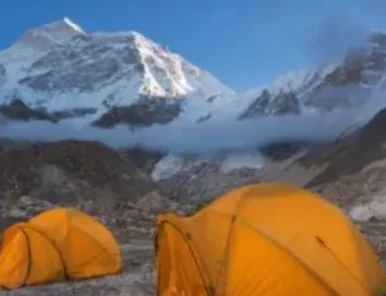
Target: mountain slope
column 283, row 95
column 346, row 84
column 64, row 72
column 82, row 174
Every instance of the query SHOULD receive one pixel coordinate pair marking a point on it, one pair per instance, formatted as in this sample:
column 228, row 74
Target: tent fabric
column 56, row 245
column 266, row 239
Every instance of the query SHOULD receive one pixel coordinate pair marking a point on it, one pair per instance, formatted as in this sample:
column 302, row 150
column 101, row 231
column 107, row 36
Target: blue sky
column 245, row 43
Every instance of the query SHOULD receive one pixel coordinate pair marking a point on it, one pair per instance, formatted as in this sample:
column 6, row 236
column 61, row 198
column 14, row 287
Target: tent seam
column 98, row 243
column 193, row 253
column 28, row 243
column 53, row 244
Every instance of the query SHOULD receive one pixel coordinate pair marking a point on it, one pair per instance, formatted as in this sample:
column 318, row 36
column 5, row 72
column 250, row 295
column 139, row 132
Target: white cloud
column 207, row 137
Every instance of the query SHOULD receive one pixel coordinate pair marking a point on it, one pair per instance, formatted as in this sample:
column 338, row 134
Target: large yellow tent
column 266, row 239
column 56, row 245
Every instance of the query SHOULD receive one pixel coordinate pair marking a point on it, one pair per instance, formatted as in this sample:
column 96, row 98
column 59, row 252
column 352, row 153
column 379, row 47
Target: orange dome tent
column 56, row 245
column 265, row 239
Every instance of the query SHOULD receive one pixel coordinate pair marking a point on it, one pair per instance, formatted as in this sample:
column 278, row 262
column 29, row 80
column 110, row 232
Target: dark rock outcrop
column 267, row 104
column 3, row 71
column 17, row 110
column 144, row 113
column 142, row 158
column 283, row 150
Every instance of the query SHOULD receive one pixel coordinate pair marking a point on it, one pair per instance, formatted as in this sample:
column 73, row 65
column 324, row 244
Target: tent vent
column 320, row 240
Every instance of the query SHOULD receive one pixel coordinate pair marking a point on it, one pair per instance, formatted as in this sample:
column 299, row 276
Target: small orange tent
column 265, row 239
column 56, row 245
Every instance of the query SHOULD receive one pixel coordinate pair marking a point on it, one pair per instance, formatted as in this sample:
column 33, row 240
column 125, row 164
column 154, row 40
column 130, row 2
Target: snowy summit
column 60, row 68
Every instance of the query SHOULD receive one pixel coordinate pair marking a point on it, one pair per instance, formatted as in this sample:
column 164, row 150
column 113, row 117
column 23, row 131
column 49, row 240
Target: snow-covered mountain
column 60, row 71
column 340, row 85
column 283, row 95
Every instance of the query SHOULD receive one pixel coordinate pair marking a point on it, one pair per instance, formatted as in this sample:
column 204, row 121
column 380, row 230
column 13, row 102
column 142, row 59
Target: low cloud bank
column 207, row 137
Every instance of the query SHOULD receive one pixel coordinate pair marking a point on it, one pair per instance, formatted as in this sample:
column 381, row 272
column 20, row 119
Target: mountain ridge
column 58, row 67
column 55, row 63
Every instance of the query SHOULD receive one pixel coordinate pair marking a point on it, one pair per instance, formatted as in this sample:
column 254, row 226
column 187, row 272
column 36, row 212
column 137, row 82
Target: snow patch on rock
column 167, row 167
column 250, row 160
column 376, row 208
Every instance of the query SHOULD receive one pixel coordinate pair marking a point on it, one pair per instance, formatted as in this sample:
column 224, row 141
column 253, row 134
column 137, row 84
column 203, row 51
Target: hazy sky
column 245, row 43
